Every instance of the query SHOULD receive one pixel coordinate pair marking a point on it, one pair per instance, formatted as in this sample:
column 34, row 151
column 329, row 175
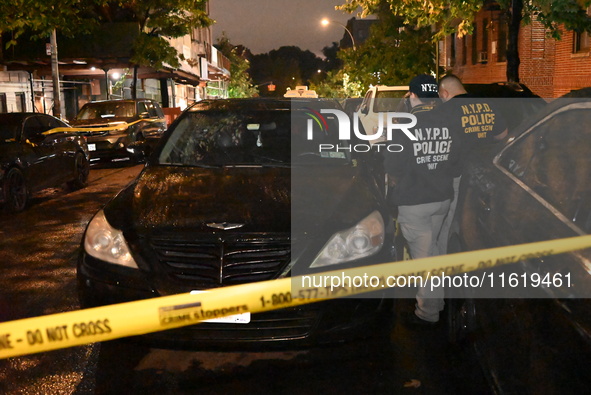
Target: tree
column 41, row 17
column 241, row 84
column 157, row 20
column 391, row 55
column 458, row 15
column 287, row 67
column 331, row 59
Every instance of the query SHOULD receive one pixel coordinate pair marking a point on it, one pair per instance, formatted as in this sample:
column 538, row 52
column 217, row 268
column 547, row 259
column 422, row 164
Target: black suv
column 134, row 127
column 235, row 193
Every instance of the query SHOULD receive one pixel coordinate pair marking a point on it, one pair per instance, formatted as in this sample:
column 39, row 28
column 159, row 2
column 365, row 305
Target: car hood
column 176, row 199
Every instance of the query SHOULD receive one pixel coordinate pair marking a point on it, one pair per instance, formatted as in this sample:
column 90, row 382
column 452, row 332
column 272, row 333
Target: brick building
column 548, row 67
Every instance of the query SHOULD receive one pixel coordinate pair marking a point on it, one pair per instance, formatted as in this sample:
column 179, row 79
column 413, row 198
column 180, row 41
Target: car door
column 157, row 124
column 550, row 166
column 62, row 144
column 537, row 189
column 40, row 157
column 365, row 114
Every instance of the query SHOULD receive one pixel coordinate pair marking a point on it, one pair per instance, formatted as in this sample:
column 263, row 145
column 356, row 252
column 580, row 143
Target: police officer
column 477, row 122
column 421, row 176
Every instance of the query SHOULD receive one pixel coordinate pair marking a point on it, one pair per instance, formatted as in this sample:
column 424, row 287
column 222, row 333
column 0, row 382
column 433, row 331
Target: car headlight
column 106, row 243
column 364, row 239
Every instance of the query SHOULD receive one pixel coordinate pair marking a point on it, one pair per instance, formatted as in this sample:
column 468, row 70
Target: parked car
column 532, row 187
column 31, row 160
column 215, row 206
column 380, row 99
column 132, row 143
column 518, row 101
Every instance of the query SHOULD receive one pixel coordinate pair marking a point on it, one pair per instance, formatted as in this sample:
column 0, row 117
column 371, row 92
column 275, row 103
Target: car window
column 33, row 127
column 159, row 112
column 554, row 160
column 152, row 110
column 48, row 122
column 105, row 110
column 364, row 107
column 388, row 101
column 142, row 108
column 9, row 127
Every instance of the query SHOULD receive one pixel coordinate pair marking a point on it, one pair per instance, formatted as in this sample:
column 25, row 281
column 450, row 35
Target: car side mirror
column 364, row 109
column 144, row 115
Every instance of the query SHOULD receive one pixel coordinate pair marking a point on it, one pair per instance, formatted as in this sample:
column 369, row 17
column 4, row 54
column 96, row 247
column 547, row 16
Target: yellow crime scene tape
column 74, row 328
column 118, row 126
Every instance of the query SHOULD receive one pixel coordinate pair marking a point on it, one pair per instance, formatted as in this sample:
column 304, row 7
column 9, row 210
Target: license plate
column 242, row 318
column 92, row 147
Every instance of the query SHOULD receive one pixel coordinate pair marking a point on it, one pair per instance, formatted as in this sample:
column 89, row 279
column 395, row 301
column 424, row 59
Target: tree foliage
column 391, row 55
column 457, row 16
column 157, row 20
column 286, row 67
column 241, row 84
column 40, row 17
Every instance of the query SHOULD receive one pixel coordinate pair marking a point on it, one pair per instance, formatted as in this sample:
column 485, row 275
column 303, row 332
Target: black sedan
column 31, row 159
column 237, row 193
column 532, row 330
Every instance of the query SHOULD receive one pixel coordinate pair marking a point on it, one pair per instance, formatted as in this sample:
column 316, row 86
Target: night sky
column 263, row 25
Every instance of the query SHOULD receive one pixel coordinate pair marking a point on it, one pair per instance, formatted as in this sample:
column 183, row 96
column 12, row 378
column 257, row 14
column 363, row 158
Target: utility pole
column 55, row 75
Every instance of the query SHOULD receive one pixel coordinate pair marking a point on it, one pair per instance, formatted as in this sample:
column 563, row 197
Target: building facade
column 97, row 67
column 549, row 67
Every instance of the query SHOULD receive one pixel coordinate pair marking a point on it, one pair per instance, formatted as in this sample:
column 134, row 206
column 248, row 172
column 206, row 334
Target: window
column 502, row 42
column 141, row 108
column 3, row 106
column 33, row 128
column 475, row 44
column 452, row 52
column 581, row 42
column 554, row 160
column 21, row 106
column 464, row 49
column 485, row 36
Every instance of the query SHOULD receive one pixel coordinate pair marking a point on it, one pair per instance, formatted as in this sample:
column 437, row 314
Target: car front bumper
column 303, row 326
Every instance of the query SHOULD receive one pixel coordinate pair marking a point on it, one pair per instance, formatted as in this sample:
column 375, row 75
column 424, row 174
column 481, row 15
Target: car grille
column 276, row 325
column 223, row 261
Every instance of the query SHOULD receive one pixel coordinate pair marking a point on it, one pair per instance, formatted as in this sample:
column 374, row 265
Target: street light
column 326, row 22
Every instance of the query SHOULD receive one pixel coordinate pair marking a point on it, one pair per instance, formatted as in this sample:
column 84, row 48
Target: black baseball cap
column 424, row 86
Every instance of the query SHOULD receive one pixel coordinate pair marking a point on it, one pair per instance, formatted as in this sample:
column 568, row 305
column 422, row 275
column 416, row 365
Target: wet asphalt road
column 38, row 250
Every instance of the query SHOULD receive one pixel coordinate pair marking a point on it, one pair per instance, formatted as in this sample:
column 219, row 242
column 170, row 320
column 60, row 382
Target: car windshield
column 102, row 110
column 387, row 100
column 252, row 137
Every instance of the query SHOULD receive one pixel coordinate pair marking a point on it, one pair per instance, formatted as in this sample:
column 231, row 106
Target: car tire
column 81, row 170
column 16, row 192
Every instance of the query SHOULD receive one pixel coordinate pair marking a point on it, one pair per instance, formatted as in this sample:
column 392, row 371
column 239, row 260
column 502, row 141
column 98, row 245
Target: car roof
column 261, row 104
column 119, row 101
column 22, row 115
column 392, row 87
column 500, row 89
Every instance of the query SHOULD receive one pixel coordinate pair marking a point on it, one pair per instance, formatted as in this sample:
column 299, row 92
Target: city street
column 38, row 253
